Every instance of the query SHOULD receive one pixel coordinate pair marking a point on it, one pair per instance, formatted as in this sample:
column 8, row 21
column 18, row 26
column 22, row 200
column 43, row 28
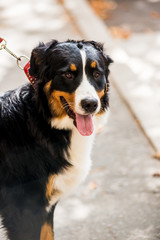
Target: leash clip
column 20, row 59
column 3, row 45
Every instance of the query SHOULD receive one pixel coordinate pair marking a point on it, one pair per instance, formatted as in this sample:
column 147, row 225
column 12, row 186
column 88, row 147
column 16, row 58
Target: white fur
column 3, row 231
column 80, row 148
column 85, row 90
column 63, row 123
column 79, row 157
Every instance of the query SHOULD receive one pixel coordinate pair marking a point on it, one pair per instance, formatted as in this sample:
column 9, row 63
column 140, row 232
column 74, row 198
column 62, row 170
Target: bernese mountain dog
column 47, row 132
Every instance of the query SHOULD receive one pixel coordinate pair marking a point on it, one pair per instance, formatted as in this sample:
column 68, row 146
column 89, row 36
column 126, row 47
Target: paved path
column 120, row 198
column 138, row 61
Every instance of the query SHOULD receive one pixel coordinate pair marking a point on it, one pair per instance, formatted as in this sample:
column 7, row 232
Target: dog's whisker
column 68, row 104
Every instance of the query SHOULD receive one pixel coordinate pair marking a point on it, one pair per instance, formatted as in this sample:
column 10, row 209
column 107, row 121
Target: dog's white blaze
column 80, row 159
column 69, row 179
column 80, row 148
column 3, row 231
column 85, row 90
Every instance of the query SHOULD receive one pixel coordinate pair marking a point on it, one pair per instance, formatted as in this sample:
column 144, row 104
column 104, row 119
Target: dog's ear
column 107, row 59
column 38, row 58
column 100, row 48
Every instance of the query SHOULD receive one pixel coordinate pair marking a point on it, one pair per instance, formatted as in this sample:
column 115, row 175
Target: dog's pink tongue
column 84, row 124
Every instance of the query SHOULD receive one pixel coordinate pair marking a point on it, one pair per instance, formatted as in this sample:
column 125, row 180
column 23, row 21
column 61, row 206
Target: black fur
column 30, row 149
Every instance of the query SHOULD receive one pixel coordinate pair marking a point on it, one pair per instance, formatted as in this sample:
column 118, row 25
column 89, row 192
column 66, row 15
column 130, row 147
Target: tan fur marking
column 100, row 94
column 73, row 67
column 101, row 111
column 93, row 64
column 49, row 187
column 47, row 87
column 52, row 194
column 55, row 103
column 46, row 232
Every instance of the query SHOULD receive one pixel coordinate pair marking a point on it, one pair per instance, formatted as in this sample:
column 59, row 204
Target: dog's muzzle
column 89, row 105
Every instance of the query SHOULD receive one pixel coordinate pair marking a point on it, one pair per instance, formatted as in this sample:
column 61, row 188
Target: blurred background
column 121, row 197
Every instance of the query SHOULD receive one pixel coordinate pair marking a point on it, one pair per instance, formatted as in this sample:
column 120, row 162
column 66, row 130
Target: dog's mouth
column 84, row 123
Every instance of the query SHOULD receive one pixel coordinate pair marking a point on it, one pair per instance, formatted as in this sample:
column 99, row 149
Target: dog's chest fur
column 79, row 158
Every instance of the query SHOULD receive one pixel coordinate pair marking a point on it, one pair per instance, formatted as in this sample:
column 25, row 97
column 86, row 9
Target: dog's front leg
column 47, row 232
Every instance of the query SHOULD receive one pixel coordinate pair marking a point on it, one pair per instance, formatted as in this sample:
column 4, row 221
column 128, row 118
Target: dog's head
column 73, row 75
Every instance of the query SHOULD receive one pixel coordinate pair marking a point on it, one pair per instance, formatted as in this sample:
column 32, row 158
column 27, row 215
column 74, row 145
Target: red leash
column 3, row 45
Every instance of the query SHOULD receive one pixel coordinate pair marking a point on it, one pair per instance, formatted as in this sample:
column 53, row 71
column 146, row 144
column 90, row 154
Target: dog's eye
column 68, row 75
column 96, row 74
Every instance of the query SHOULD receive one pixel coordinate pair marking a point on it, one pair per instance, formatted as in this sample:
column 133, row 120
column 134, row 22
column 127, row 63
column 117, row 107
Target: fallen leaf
column 155, row 15
column 92, row 186
column 102, row 7
column 61, row 2
column 156, row 155
column 120, row 32
column 157, row 174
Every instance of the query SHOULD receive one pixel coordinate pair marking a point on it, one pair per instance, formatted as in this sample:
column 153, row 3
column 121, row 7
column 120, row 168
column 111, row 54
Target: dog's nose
column 89, row 104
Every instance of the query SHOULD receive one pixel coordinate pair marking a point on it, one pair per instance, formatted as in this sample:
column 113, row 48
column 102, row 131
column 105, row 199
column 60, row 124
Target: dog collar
column 30, row 78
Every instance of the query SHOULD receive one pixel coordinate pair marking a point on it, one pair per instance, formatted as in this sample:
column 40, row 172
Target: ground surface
column 121, row 197
column 137, row 16
column 134, row 25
